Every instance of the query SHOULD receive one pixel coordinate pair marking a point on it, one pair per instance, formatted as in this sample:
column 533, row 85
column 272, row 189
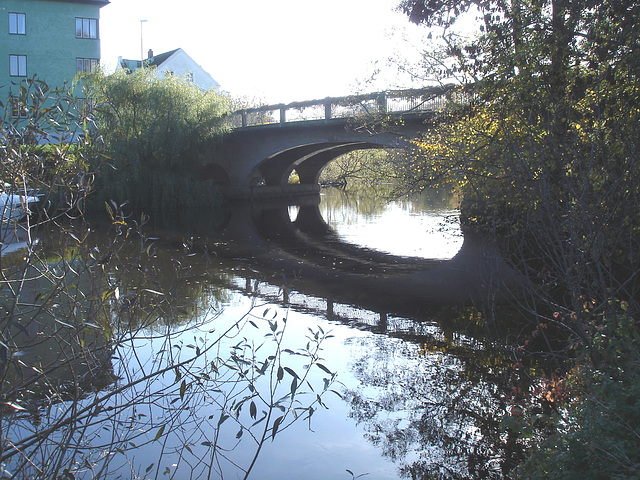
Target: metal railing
column 390, row 102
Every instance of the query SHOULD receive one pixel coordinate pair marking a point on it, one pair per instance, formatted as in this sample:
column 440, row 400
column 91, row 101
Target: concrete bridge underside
column 256, row 162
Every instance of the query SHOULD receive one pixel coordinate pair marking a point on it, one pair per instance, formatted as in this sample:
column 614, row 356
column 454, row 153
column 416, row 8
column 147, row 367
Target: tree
column 156, row 130
column 545, row 154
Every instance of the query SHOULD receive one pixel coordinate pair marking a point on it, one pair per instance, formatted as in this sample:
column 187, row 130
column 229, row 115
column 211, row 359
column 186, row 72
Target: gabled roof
column 157, row 60
column 182, row 63
column 154, row 61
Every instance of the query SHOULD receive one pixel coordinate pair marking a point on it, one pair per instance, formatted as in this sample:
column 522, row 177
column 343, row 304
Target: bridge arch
column 307, row 160
column 267, row 143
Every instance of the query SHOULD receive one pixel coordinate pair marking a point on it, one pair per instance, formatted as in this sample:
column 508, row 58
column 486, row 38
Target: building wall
column 50, row 42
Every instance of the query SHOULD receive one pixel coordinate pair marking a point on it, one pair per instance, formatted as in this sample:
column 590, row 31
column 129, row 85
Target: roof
column 157, row 60
column 154, row 61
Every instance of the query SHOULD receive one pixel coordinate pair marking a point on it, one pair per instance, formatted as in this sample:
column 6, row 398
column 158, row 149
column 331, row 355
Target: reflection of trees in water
column 433, row 413
column 139, row 378
column 370, row 200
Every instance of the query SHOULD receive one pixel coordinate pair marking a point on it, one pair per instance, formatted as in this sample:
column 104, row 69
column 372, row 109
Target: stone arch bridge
column 267, row 143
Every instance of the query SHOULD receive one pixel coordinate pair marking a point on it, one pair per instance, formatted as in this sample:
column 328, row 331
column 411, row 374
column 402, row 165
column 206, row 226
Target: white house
column 175, row 62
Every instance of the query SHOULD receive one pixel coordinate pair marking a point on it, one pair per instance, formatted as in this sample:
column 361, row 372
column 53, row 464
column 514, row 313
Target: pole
column 141, row 45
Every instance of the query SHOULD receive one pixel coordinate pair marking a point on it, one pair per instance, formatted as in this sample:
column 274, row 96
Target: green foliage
column 546, row 158
column 545, row 155
column 599, row 436
column 45, row 146
column 361, row 166
column 156, row 132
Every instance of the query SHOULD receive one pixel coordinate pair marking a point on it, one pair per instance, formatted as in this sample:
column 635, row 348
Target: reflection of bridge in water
column 268, row 143
column 304, row 255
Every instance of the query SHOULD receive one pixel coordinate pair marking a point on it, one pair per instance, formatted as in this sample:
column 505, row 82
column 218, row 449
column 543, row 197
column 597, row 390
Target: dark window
column 86, row 64
column 18, row 65
column 17, row 23
column 86, row 28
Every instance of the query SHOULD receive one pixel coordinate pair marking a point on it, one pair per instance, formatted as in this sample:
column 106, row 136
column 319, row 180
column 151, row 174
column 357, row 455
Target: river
column 324, row 340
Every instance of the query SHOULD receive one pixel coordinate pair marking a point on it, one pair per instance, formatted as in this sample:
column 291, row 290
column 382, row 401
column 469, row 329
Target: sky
column 275, row 51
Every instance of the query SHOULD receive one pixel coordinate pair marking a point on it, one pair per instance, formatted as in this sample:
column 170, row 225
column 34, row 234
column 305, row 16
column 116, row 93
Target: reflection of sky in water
column 399, row 231
column 334, row 443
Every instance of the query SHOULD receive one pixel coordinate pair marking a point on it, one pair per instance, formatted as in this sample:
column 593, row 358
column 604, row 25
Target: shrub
column 156, row 131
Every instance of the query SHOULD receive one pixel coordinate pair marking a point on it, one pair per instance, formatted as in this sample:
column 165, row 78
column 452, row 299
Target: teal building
column 52, row 39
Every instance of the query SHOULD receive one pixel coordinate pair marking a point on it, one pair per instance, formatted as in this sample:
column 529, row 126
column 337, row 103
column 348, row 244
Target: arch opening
column 306, row 160
column 357, row 166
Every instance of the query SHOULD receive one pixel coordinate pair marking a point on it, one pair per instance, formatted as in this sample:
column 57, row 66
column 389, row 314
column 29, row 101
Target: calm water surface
column 389, row 396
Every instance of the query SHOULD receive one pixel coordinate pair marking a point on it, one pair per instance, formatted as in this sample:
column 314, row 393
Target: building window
column 17, row 23
column 18, row 65
column 86, row 64
column 189, row 77
column 86, row 28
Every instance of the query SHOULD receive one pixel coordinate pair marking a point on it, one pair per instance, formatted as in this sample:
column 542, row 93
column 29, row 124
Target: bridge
column 268, row 143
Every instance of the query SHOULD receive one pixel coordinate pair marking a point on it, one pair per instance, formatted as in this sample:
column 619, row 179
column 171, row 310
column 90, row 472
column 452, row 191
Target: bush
column 45, row 147
column 599, row 437
column 155, row 132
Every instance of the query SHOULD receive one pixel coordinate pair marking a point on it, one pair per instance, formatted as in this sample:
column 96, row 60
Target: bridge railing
column 389, row 102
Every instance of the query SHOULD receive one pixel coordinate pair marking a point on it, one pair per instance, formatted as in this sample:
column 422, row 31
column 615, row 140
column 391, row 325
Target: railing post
column 283, row 114
column 382, row 102
column 244, row 118
column 327, row 109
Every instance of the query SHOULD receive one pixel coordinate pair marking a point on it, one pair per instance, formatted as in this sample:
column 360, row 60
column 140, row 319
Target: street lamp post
column 141, row 45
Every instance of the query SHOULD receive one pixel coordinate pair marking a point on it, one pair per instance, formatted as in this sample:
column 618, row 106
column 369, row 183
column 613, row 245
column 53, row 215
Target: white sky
column 271, row 50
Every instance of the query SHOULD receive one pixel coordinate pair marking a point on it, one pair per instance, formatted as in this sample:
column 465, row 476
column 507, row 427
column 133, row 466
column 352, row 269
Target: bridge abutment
column 271, row 192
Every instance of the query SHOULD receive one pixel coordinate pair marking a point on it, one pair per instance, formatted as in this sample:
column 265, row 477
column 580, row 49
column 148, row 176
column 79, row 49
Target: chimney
column 150, row 53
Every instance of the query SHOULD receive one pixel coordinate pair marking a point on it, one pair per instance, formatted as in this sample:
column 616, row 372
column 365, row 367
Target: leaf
column 239, row 434
column 264, row 415
column 264, row 367
column 152, row 291
column 253, row 410
column 294, row 386
column 291, row 372
column 15, row 406
column 149, row 468
column 322, row 367
column 183, row 388
column 222, row 419
column 276, row 425
column 159, row 433
column 280, row 373
column 338, row 394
